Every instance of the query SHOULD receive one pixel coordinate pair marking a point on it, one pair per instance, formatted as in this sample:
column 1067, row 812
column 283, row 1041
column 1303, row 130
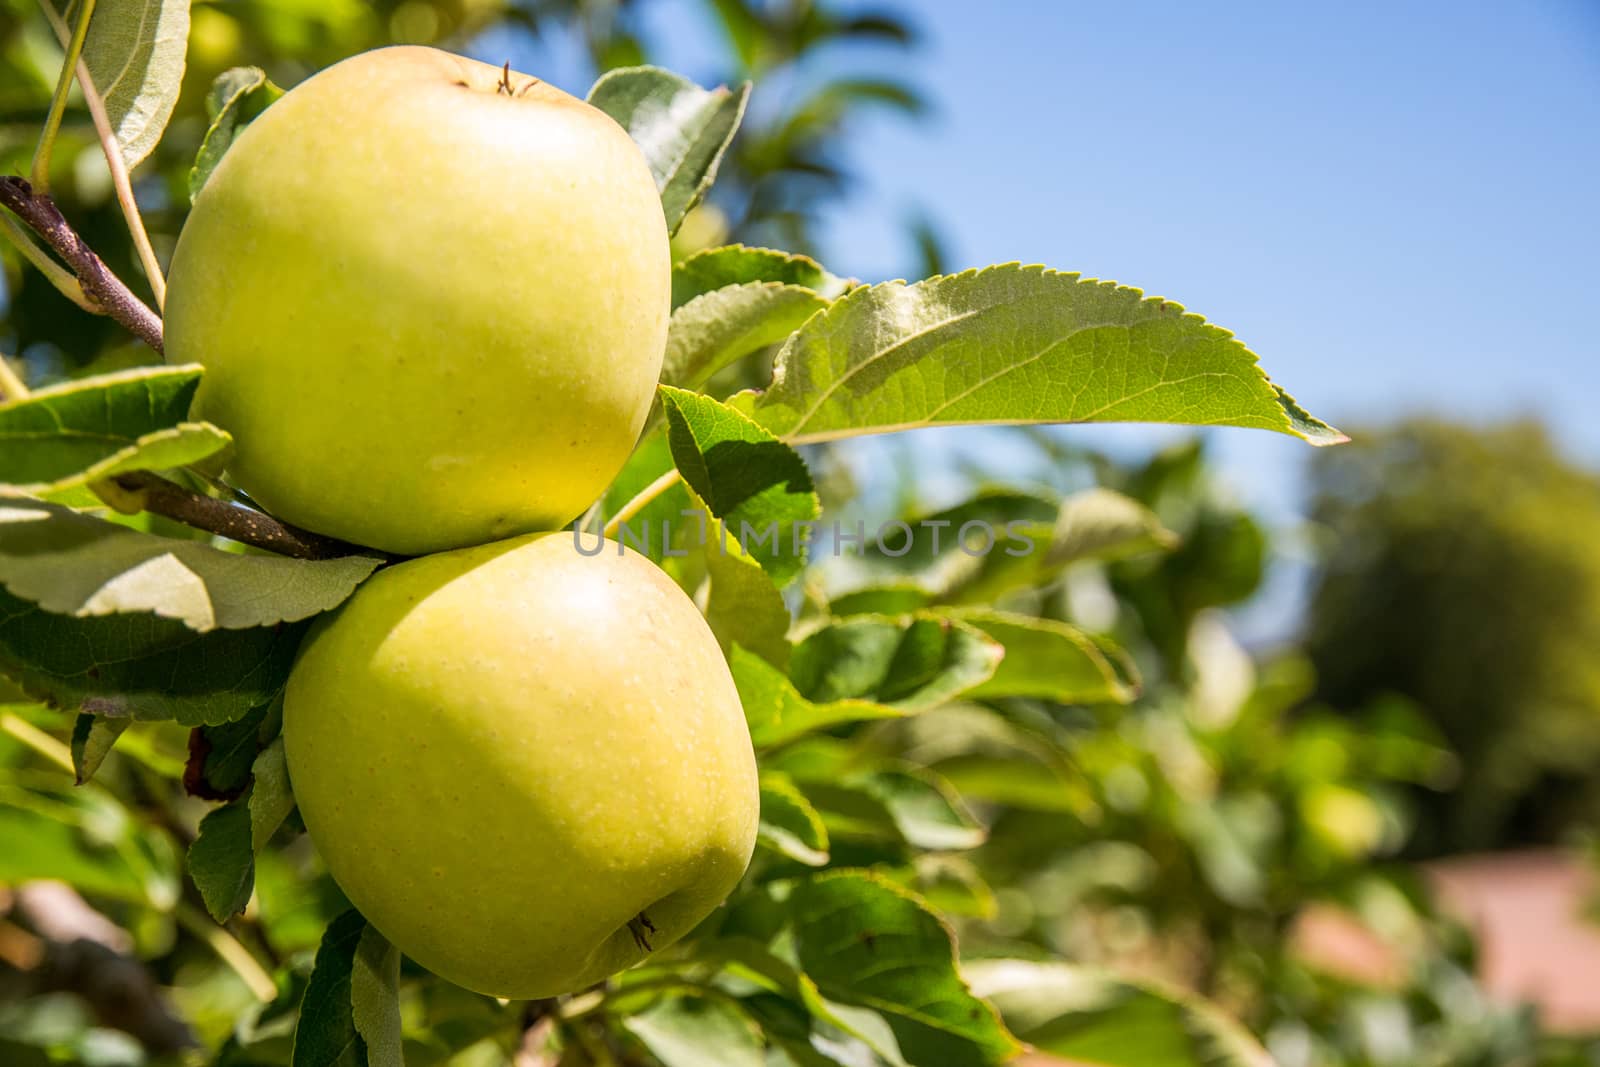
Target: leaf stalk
column 39, row 172
column 642, row 500
column 119, row 168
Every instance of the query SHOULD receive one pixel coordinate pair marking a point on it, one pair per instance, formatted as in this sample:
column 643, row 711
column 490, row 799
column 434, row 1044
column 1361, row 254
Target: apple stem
column 103, row 288
column 153, row 493
column 639, row 926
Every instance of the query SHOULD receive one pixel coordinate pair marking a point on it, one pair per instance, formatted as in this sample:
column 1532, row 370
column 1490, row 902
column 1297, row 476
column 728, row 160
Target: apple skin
column 506, row 753
column 431, row 314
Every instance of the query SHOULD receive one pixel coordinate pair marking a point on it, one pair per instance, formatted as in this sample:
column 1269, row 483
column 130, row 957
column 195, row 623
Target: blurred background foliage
column 1462, row 571
column 1446, row 695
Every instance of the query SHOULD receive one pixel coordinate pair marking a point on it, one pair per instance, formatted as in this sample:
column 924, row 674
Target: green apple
column 431, row 299
column 527, row 767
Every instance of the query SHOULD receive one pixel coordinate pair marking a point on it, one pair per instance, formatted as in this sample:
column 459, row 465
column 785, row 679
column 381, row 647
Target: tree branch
column 156, row 494
column 107, row 291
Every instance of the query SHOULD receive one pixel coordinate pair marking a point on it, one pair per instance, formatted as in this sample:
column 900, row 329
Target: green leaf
column 143, row 666
column 326, row 1035
column 1101, row 524
column 1051, row 660
column 270, row 799
column 742, row 605
column 909, row 662
column 222, row 861
column 1094, row 524
column 897, row 801
column 236, row 98
column 925, row 808
column 755, row 484
column 83, row 836
column 135, row 53
column 375, row 998
column 889, row 598
column 789, row 824
column 221, row 756
column 682, row 129
column 92, row 738
column 65, row 436
column 1095, row 1018
column 867, row 942
column 223, row 856
column 778, row 714
column 952, row 886
column 943, row 550
column 717, row 268
column 1013, row 344
column 693, row 1031
column 717, row 330
column 72, row 564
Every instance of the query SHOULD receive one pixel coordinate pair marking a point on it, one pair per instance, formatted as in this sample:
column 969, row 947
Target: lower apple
column 526, row 766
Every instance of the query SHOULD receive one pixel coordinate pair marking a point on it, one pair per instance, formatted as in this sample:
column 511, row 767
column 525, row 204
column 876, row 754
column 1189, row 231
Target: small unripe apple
column 431, row 298
column 527, row 767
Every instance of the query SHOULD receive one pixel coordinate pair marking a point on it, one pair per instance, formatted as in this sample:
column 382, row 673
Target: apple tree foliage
column 941, row 745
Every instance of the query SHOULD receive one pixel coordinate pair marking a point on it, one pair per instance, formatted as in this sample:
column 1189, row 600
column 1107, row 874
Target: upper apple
column 431, row 300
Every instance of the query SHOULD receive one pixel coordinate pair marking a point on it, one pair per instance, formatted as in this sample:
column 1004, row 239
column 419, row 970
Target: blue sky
column 1395, row 204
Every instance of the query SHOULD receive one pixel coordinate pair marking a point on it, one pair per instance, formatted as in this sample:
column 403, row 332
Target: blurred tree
column 1463, row 571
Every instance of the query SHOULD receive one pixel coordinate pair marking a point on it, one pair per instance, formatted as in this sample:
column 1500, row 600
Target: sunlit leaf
column 682, row 129
column 1012, row 344
column 720, row 328
column 62, row 437
column 135, row 53
column 756, row 485
column 738, row 265
column 72, row 564
column 237, row 97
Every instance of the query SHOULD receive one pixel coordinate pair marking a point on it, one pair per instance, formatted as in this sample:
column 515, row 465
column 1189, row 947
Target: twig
column 54, row 273
column 119, row 168
column 37, row 739
column 228, row 950
column 642, row 500
column 40, row 170
column 11, row 386
column 115, row 299
column 246, row 525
